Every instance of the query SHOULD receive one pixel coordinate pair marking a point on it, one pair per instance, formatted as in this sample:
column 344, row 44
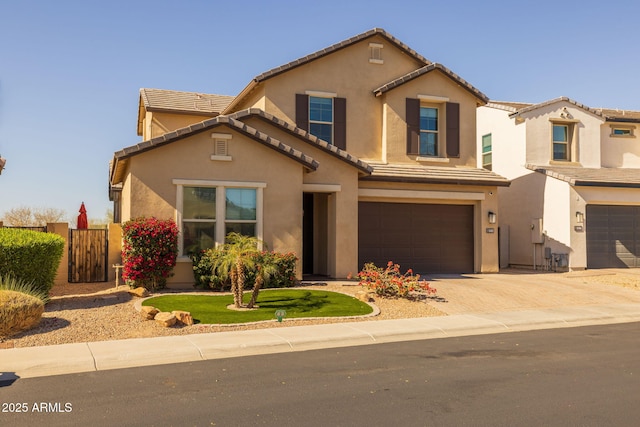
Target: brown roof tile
column 426, row 69
column 189, row 102
column 341, row 45
column 591, row 177
column 435, row 175
column 608, row 114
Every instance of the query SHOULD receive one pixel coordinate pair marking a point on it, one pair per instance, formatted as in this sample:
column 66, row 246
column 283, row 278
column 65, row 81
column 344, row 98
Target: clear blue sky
column 70, row 71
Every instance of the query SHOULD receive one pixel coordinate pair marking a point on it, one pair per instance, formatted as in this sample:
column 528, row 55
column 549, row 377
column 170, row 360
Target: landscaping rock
column 139, row 292
column 183, row 317
column 165, row 319
column 148, row 313
column 365, row 296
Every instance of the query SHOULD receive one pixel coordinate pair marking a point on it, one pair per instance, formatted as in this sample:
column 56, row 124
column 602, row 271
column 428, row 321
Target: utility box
column 537, row 235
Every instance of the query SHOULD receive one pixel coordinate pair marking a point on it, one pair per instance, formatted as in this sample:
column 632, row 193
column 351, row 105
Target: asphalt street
column 585, row 376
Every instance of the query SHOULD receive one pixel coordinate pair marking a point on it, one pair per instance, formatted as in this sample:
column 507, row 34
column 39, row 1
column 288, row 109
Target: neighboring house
column 363, row 151
column 574, row 199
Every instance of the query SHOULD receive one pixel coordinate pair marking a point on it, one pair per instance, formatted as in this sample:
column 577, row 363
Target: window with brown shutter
column 413, row 126
column 302, row 111
column 453, row 129
column 340, row 123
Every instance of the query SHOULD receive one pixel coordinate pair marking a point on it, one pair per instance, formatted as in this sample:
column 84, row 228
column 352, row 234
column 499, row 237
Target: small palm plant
column 264, row 273
column 239, row 254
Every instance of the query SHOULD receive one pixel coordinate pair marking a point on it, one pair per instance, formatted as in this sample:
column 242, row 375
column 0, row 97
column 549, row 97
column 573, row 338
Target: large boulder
column 165, row 319
column 183, row 317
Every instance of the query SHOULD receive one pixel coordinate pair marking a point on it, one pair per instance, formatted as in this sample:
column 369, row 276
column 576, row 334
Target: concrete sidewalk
column 103, row 355
column 474, row 303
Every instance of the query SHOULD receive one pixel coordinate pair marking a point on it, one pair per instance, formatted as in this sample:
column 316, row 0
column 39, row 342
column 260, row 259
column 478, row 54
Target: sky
column 71, row 71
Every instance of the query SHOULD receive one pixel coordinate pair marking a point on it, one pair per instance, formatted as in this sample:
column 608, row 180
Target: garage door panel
column 613, row 236
column 426, row 238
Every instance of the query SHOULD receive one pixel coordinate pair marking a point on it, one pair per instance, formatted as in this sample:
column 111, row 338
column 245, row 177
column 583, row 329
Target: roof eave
column 450, row 181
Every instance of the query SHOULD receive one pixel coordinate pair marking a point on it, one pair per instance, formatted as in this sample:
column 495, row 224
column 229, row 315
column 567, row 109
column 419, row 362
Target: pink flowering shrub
column 149, row 251
column 390, row 282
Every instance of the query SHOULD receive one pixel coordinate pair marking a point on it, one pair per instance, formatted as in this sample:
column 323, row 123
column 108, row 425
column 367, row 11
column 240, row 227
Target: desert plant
column 237, row 254
column 21, row 305
column 30, row 256
column 390, row 282
column 149, row 252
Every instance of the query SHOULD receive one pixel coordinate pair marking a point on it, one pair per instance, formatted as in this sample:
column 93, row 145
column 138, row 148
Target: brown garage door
column 613, row 236
column 425, row 238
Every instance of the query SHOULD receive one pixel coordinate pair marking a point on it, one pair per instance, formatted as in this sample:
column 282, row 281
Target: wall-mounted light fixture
column 579, row 217
column 492, row 217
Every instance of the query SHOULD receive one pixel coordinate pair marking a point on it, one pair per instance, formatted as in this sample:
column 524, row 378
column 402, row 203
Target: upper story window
column 428, row 131
column 323, row 115
column 427, row 117
column 321, row 118
column 487, row 152
column 622, row 131
column 561, row 144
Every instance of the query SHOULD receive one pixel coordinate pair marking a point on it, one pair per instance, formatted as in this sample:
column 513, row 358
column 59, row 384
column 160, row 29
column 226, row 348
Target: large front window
column 321, row 118
column 209, row 210
column 560, row 142
column 428, row 131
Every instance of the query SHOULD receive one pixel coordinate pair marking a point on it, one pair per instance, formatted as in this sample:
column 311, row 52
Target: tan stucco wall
column 115, row 250
column 431, row 84
column 484, row 200
column 62, row 230
column 349, row 74
column 617, row 151
column 159, row 123
column 154, row 193
column 539, row 128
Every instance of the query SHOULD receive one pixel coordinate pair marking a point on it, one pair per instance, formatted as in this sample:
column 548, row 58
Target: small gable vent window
column 221, row 146
column 375, row 53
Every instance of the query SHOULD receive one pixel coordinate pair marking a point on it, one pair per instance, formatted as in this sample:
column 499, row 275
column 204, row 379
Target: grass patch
column 298, row 303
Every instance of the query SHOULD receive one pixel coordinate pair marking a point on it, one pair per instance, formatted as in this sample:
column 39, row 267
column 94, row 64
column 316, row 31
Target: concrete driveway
column 522, row 290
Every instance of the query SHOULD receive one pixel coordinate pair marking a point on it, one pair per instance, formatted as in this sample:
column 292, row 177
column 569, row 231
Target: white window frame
column 221, row 205
column 567, row 142
column 490, row 152
column 324, row 95
column 221, row 147
column 437, row 132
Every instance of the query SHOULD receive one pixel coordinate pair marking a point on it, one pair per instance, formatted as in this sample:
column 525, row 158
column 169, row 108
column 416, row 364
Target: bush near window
column 30, row 256
column 390, row 282
column 284, row 276
column 149, row 252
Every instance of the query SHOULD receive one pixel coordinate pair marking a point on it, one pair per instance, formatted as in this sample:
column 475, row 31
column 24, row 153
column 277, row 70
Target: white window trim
column 433, row 99
column 568, row 143
column 483, row 154
column 437, row 156
column 221, row 155
column 325, row 95
column 220, row 220
column 320, row 94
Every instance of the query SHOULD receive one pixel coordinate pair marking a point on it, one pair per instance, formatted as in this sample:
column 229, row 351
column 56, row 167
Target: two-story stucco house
column 574, row 201
column 363, row 151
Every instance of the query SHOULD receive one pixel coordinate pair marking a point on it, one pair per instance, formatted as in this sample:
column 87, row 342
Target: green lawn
column 212, row 309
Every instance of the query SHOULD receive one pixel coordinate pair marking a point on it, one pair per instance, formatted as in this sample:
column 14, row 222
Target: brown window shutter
column 340, row 123
column 453, row 129
column 302, row 111
column 413, row 126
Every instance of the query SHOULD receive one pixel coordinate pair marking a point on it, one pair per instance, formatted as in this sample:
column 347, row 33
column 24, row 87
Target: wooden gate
column 88, row 255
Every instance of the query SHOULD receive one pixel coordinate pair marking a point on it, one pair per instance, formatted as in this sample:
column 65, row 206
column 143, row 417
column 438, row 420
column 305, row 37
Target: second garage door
column 426, row 238
column 613, row 236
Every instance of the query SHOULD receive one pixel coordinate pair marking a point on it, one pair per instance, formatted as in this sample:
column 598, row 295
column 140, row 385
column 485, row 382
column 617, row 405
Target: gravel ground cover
column 100, row 312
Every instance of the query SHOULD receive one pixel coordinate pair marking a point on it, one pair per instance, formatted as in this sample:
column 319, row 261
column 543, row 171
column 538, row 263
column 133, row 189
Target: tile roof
column 591, row 177
column 189, row 102
column 435, row 175
column 341, row 45
column 305, row 136
column 324, row 52
column 608, row 114
column 426, row 69
column 122, row 155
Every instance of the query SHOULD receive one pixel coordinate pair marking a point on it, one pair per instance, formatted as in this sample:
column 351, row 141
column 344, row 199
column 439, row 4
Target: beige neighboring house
column 363, row 151
column 574, row 199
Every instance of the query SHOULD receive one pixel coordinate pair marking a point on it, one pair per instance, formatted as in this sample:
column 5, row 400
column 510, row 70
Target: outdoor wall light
column 579, row 217
column 492, row 217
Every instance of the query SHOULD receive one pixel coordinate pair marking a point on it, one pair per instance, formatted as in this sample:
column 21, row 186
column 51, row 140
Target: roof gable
column 591, row 177
column 322, row 53
column 427, row 69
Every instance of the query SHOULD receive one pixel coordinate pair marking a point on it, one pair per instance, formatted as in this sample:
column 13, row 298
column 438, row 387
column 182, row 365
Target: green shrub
column 30, row 256
column 21, row 305
column 284, row 277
